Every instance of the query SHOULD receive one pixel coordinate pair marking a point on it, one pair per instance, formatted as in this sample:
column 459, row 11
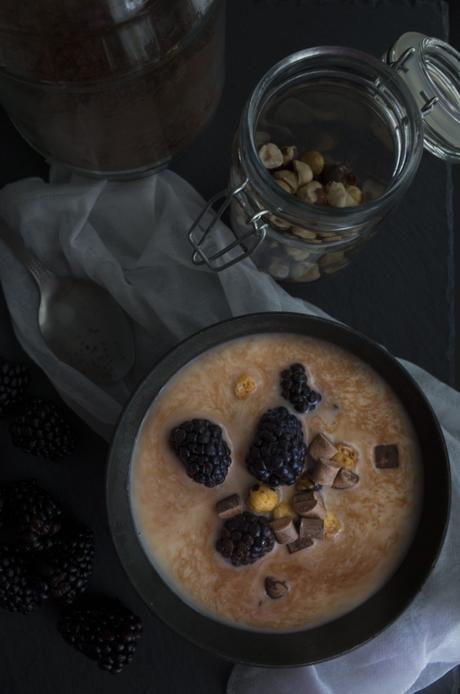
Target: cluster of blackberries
column 44, row 554
column 38, row 427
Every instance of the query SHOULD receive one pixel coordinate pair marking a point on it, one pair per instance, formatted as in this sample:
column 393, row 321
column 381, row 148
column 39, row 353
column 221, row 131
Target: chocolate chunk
column 323, row 473
column 284, row 530
column 275, row 588
column 299, row 544
column 302, row 502
column 321, row 447
column 386, row 456
column 309, row 505
column 230, row 506
column 345, row 479
column 312, row 527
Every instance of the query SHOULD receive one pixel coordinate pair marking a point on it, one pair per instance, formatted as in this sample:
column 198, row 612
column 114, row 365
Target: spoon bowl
column 80, row 321
column 84, row 327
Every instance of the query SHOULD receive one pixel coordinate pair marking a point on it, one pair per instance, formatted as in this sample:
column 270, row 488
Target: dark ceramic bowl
column 345, row 633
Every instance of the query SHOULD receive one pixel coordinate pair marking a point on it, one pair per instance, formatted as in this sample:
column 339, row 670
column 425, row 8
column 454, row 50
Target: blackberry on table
column 42, row 430
column 295, row 389
column 104, row 631
column 20, row 590
column 68, row 565
column 277, row 454
column 245, row 538
column 202, row 449
column 14, row 380
column 31, row 515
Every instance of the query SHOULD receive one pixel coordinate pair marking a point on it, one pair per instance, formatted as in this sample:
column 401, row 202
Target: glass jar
column 369, row 119
column 111, row 87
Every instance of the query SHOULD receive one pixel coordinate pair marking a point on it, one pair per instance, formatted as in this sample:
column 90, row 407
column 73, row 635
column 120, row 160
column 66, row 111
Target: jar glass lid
column 431, row 70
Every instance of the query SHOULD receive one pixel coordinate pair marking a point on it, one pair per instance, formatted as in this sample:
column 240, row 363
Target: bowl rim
column 300, row 647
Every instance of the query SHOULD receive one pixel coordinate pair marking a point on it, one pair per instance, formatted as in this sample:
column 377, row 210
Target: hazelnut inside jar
column 329, row 142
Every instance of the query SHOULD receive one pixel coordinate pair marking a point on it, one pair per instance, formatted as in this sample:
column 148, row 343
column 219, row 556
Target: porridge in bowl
column 276, row 482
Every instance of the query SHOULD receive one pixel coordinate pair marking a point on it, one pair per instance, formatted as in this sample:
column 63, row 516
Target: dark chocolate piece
column 284, row 530
column 323, row 473
column 275, row 588
column 345, row 479
column 230, row 506
column 299, row 544
column 303, row 502
column 312, row 528
column 321, row 447
column 313, row 507
column 386, row 456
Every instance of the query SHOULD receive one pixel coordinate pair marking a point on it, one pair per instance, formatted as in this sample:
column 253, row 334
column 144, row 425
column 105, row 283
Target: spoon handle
column 14, row 242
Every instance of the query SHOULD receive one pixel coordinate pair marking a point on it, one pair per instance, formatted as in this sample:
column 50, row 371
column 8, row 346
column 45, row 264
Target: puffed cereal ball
column 262, row 499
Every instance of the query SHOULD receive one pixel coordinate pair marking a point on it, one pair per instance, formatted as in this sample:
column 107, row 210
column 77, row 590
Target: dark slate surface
column 396, row 291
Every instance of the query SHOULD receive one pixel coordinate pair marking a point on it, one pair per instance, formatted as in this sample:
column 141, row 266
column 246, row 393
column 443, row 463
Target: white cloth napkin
column 130, row 238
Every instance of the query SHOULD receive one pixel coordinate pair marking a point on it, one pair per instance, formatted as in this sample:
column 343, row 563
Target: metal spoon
column 79, row 320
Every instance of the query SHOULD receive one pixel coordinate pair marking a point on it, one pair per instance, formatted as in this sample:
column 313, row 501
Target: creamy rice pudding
column 368, row 522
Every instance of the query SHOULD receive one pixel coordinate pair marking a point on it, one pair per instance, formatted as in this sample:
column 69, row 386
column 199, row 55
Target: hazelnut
column 356, row 193
column 303, row 171
column 302, row 233
column 279, row 270
column 309, row 192
column 308, row 272
column 271, row 156
column 289, row 154
column 338, row 196
column 278, row 222
column 284, row 185
column 333, row 258
column 287, row 177
column 315, row 160
column 298, row 253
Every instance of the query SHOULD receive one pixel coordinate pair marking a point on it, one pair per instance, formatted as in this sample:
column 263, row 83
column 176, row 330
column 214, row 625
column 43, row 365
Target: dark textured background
column 399, row 290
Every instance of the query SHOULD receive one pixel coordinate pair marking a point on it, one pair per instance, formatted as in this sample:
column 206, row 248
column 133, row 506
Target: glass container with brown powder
column 111, row 87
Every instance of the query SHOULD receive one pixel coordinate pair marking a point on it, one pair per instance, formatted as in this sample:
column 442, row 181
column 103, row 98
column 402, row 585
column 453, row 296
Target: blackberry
column 43, row 431
column 104, row 631
column 20, row 590
column 245, row 538
column 201, row 447
column 295, row 389
column 14, row 380
column 68, row 565
column 278, row 451
column 31, row 515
